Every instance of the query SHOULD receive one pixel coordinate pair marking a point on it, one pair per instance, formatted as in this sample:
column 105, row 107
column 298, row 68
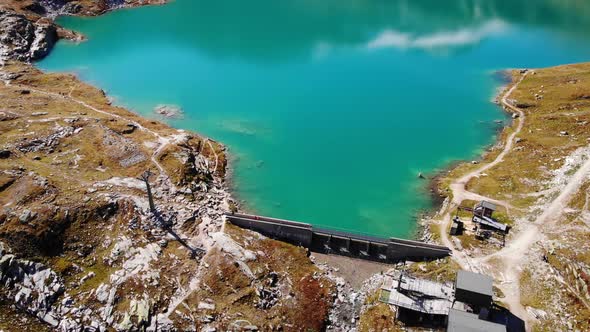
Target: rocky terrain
column 24, row 40
column 80, row 247
column 27, row 30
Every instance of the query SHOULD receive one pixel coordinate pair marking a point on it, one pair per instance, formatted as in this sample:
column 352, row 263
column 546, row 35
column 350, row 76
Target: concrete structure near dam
column 327, row 241
column 465, row 306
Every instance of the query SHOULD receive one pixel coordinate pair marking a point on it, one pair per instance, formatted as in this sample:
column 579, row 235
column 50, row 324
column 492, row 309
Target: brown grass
column 307, row 294
column 378, row 317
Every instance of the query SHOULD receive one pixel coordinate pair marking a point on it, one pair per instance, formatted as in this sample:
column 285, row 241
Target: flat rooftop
column 427, row 287
column 417, row 294
column 487, row 205
column 474, row 282
column 491, row 223
column 461, row 321
column 432, row 306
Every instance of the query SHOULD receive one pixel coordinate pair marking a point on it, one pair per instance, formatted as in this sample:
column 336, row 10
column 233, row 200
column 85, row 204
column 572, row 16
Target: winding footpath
column 458, row 186
column 460, row 193
column 142, row 258
column 515, row 253
column 511, row 257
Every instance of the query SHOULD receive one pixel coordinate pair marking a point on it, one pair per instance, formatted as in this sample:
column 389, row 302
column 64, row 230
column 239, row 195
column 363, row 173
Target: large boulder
column 21, row 39
column 32, row 286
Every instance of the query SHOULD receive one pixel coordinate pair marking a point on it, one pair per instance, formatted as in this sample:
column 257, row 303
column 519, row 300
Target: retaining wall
column 386, row 250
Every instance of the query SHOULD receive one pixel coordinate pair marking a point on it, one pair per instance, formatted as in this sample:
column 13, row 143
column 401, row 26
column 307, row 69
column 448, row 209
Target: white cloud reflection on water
column 437, row 41
column 444, row 39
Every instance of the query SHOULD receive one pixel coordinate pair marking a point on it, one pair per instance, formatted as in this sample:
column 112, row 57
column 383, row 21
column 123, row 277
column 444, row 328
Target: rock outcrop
column 28, row 32
column 32, row 286
column 24, row 40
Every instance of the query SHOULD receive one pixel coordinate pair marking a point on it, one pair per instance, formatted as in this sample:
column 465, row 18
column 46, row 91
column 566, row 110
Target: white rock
column 206, row 306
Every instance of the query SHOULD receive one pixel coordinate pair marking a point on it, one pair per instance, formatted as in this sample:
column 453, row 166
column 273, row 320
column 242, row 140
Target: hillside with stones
column 80, row 248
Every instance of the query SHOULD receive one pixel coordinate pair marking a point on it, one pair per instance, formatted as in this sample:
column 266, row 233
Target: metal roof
column 487, row 205
column 490, row 222
column 417, row 294
column 460, row 321
column 474, row 282
column 427, row 306
column 427, row 287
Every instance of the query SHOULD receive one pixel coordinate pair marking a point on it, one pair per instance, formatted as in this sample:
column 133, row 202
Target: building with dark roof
column 474, row 289
column 466, row 306
column 461, row 321
column 484, row 209
column 482, row 215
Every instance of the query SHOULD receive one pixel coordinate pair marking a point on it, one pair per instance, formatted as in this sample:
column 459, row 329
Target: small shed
column 474, row 289
column 484, row 208
column 456, row 227
column 461, row 321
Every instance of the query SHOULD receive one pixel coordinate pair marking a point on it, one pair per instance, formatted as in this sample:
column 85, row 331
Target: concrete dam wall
column 327, row 241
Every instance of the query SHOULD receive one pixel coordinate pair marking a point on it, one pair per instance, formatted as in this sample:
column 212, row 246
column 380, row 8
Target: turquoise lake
column 329, row 108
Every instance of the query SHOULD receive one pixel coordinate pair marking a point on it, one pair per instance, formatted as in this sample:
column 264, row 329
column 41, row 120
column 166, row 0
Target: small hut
column 484, row 209
column 482, row 215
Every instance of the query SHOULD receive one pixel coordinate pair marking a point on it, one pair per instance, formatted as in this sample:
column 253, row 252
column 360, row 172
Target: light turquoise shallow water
column 331, row 108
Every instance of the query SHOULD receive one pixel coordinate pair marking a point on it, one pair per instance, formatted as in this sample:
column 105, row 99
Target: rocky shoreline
column 24, row 40
column 197, row 193
column 28, row 31
column 537, row 174
column 436, row 187
column 81, row 248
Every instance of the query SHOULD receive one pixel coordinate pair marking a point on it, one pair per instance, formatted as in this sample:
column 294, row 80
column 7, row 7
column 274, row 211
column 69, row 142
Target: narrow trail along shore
column 460, row 193
column 69, row 182
column 510, row 258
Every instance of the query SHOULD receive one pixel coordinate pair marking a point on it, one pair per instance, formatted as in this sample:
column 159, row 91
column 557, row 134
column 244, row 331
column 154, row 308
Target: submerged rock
column 169, row 111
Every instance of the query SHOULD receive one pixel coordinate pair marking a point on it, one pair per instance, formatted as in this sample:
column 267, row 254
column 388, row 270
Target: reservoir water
column 330, row 108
